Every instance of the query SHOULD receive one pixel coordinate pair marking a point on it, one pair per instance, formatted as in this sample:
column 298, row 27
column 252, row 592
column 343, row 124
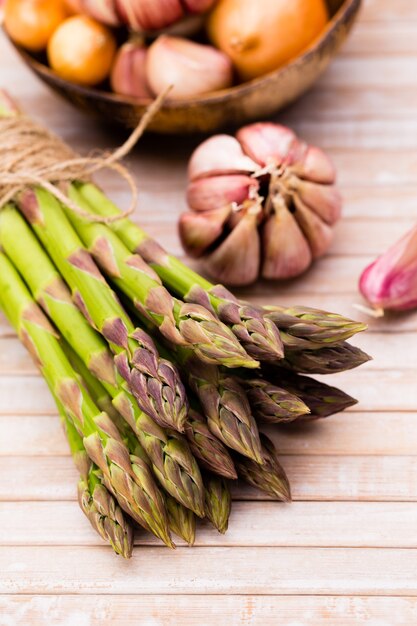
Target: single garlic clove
column 198, row 231
column 190, row 68
column 316, row 166
column 266, row 142
column 198, row 6
column 103, row 11
column 324, row 200
column 220, row 154
column 390, row 282
column 146, row 15
column 217, row 191
column 318, row 234
column 128, row 76
column 236, row 260
column 286, row 251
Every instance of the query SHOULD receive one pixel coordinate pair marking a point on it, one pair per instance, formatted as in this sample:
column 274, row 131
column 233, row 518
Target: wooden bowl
column 257, row 99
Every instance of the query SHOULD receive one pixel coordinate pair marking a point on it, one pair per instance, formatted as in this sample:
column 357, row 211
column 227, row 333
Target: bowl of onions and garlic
column 229, row 91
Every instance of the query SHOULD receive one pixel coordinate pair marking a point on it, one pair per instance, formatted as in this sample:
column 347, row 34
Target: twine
column 32, row 155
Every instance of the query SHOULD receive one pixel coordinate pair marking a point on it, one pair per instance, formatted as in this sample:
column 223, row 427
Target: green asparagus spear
column 154, row 382
column 269, row 477
column 128, row 476
column 172, row 461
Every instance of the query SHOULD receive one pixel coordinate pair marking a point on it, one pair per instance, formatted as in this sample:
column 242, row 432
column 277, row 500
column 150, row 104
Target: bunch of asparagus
column 162, row 379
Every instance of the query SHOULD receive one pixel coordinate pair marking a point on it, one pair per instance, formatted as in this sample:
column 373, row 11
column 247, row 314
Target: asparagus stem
column 207, row 448
column 222, row 398
column 306, row 328
column 331, row 360
column 130, row 478
column 273, row 404
column 225, row 405
column 257, row 334
column 155, row 382
column 269, row 477
column 180, row 323
column 181, row 520
column 218, row 501
column 96, row 502
column 173, row 463
column 322, row 400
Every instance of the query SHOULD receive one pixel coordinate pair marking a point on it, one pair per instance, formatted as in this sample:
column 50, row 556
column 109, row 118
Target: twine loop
column 32, row 155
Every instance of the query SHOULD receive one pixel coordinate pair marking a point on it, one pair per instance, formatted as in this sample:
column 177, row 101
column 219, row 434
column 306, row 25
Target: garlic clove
column 103, row 11
column 198, row 231
column 316, row 166
column 266, row 142
column 324, row 200
column 205, row 194
column 286, row 251
column 220, row 154
column 236, row 260
column 128, row 76
column 190, row 68
column 390, row 282
column 145, row 15
column 318, row 234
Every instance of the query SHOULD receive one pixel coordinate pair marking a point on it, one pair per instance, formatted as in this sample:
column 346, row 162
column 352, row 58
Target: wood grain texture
column 345, row 552
column 268, row 571
column 249, row 610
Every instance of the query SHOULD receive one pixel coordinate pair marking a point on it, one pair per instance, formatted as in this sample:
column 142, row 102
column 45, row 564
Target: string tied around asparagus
column 32, row 155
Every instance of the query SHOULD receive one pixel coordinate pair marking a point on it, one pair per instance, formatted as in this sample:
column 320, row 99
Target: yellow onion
column 262, row 203
column 261, row 36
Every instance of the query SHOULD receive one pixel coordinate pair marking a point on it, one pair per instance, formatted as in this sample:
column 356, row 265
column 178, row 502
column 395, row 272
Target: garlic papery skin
column 192, row 69
column 128, row 74
column 390, row 282
column 293, row 190
column 205, row 194
column 219, row 155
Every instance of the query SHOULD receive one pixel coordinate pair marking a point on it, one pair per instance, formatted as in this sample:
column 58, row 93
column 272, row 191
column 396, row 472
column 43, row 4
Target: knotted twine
column 32, row 155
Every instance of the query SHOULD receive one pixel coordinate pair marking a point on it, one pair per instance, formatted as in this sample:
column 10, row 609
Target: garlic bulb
column 262, row 203
column 190, row 68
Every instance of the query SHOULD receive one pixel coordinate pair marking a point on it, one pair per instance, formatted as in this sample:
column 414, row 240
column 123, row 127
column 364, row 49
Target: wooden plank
column 386, row 11
column 326, row 104
column 187, row 610
column 315, row 477
column 364, row 72
column 270, row 571
column 348, row 433
column 372, row 37
column 301, row 524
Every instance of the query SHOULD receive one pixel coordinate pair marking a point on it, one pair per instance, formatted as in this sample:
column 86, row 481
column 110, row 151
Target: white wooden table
column 345, row 552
